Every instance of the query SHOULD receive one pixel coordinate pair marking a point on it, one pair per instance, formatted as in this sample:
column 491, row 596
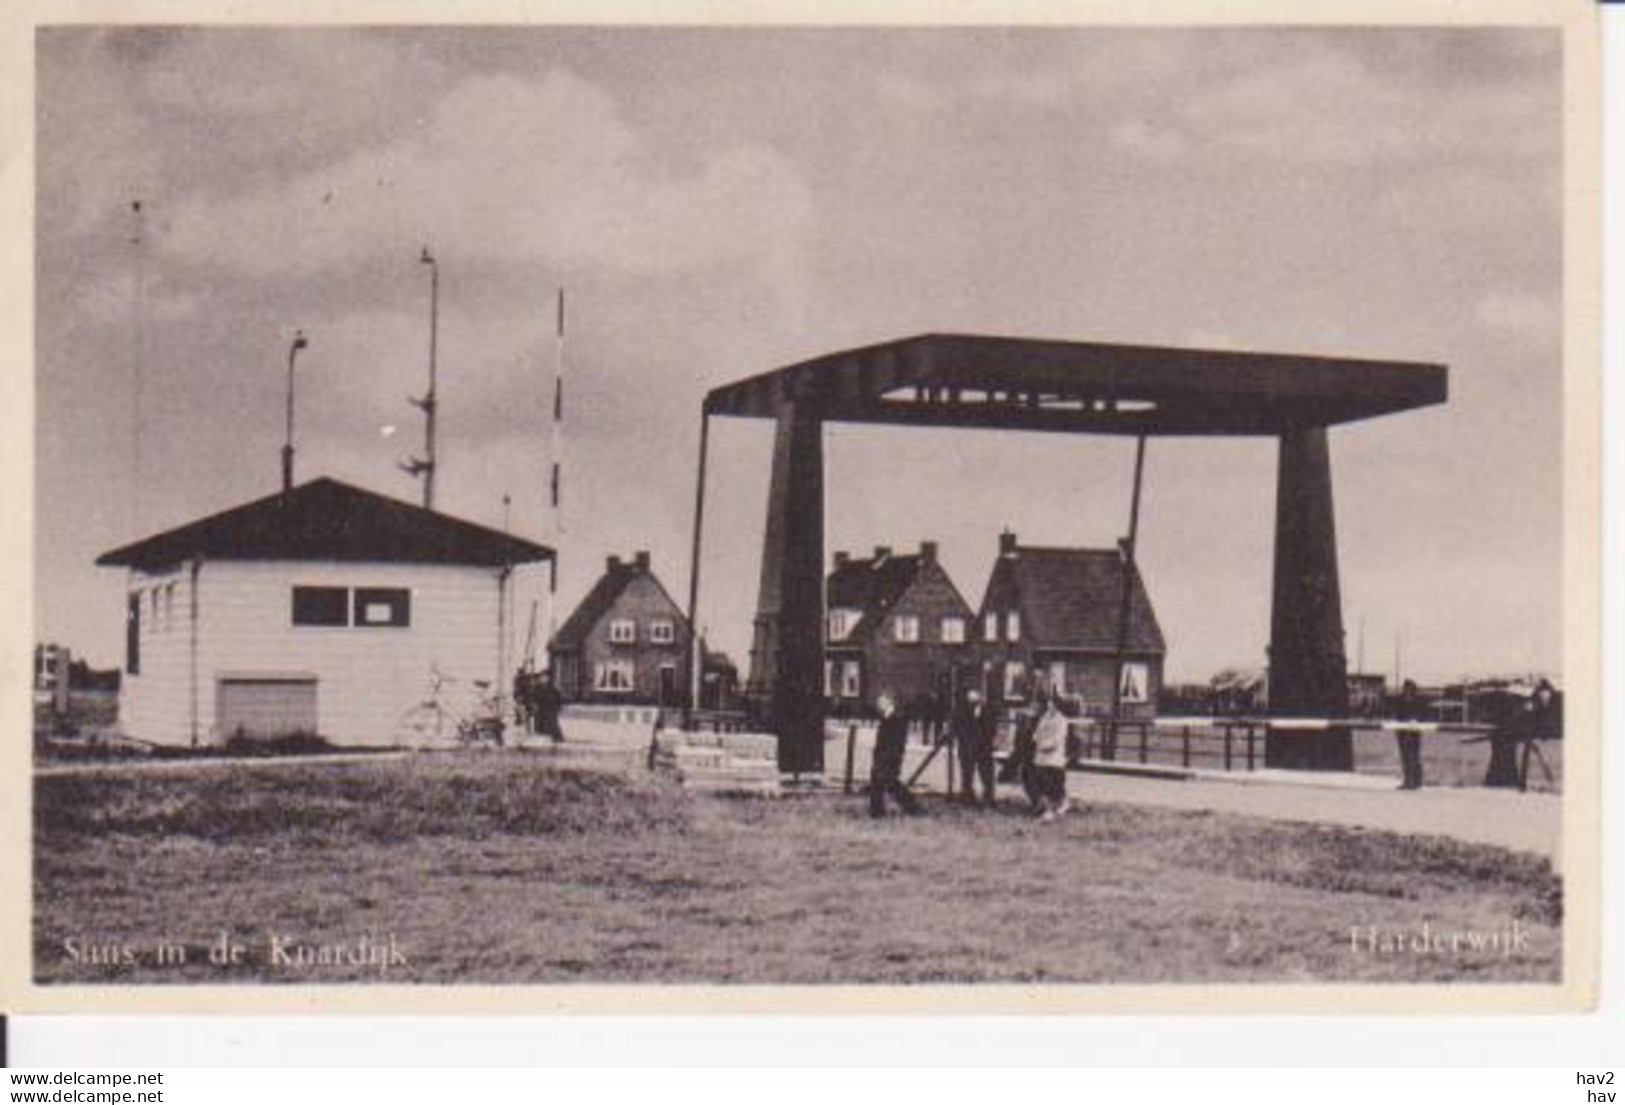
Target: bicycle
column 476, row 721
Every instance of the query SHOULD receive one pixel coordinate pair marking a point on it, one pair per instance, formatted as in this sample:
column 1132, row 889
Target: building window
column 990, row 626
column 1013, row 678
column 841, row 623
column 321, row 606
column 1012, row 626
column 953, row 631
column 169, row 606
column 1136, row 684
column 383, row 606
column 851, row 679
column 623, row 631
column 662, row 632
column 906, row 629
column 613, row 676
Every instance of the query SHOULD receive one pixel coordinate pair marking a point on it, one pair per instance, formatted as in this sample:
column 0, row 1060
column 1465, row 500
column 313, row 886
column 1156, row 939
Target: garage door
column 266, row 707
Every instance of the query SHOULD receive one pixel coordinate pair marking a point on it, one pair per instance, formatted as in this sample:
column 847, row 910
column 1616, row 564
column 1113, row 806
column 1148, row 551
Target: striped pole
column 555, row 479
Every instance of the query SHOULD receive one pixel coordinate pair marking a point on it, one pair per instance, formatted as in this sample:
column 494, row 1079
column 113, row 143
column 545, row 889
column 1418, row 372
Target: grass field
column 499, row 868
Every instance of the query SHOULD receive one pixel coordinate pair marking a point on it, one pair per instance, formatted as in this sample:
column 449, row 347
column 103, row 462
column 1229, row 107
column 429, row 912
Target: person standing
column 886, row 765
column 973, row 738
column 1048, row 770
column 1409, row 707
column 545, row 707
column 1545, row 723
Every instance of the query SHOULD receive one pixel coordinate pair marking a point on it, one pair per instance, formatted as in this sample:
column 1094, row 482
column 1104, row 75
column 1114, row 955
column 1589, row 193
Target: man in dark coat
column 1409, row 707
column 886, row 767
column 973, row 736
column 544, row 707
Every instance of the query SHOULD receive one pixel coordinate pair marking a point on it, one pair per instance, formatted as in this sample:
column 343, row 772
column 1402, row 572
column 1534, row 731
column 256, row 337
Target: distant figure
column 886, row 768
column 1048, row 770
column 544, row 706
column 1409, row 707
column 1545, row 722
column 973, row 728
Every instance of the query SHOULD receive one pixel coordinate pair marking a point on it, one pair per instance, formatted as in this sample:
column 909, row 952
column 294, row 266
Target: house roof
column 1070, row 598
column 871, row 585
column 618, row 575
column 325, row 519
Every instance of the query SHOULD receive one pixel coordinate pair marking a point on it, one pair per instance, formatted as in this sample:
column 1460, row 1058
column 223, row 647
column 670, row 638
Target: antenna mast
column 138, row 306
column 425, row 466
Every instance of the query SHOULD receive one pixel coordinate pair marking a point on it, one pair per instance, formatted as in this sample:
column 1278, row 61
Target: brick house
column 894, row 623
column 626, row 642
column 1054, row 611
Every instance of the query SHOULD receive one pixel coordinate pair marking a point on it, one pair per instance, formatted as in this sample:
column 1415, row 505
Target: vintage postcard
column 790, row 509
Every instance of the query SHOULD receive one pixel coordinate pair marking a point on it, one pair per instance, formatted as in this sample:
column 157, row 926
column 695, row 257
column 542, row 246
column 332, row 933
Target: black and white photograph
column 1010, row 509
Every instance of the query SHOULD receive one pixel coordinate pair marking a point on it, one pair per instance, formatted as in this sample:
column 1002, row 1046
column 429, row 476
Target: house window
column 953, row 631
column 906, row 629
column 990, row 626
column 1057, row 676
column 662, row 632
column 851, row 679
column 841, row 623
column 383, row 606
column 321, row 606
column 169, row 606
column 623, row 631
column 1136, row 684
column 1012, row 626
column 1014, row 673
column 613, row 676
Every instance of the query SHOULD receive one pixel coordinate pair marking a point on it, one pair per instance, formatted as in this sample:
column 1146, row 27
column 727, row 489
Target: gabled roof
column 325, row 519
column 618, row 575
column 1071, row 598
column 871, row 585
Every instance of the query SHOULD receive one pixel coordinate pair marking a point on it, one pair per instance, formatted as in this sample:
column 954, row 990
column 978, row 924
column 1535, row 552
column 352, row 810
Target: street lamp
column 299, row 343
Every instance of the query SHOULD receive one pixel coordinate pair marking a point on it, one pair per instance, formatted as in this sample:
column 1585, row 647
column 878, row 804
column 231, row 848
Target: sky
column 718, row 202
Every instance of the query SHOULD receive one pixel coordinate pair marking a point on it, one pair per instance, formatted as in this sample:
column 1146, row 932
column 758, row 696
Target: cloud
column 1328, row 108
column 250, row 74
column 512, row 170
column 1152, row 142
column 1528, row 316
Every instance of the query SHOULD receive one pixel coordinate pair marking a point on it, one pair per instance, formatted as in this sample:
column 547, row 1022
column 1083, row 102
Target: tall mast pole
column 431, row 401
column 424, row 466
column 138, row 307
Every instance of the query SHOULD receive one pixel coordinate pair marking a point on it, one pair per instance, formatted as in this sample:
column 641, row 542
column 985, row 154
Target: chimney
column 1007, row 544
column 928, row 552
column 613, row 564
column 641, row 559
column 882, row 552
column 841, row 557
